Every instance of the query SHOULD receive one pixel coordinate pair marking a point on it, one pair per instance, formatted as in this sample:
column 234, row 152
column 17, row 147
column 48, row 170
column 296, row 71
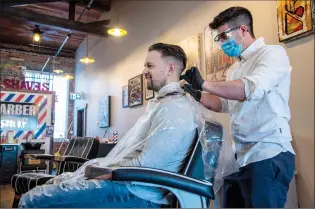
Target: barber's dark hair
column 170, row 50
column 234, row 16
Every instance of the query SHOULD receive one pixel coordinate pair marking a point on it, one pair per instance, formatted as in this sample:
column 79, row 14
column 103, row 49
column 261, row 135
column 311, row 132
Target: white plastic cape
column 137, row 137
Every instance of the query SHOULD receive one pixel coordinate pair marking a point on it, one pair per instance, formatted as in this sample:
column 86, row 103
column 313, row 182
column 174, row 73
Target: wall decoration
column 192, row 48
column 135, row 91
column 36, row 121
column 104, row 112
column 148, row 94
column 295, row 18
column 125, row 96
column 217, row 63
column 49, row 131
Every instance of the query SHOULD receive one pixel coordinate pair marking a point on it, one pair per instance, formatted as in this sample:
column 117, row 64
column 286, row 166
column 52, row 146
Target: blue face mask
column 231, row 48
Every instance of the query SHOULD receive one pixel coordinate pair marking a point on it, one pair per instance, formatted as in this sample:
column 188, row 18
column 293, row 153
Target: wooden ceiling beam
column 100, row 5
column 96, row 28
column 72, row 10
column 11, row 3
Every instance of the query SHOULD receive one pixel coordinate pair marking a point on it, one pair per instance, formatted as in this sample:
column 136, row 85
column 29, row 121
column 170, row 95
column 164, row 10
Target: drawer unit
column 8, row 162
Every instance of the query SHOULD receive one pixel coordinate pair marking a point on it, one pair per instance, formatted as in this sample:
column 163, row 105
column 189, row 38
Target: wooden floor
column 6, row 196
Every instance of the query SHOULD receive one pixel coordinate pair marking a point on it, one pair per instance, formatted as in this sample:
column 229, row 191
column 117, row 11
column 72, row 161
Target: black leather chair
column 190, row 188
column 78, row 151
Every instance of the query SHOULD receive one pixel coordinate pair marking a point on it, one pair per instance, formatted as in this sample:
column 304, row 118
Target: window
column 61, row 87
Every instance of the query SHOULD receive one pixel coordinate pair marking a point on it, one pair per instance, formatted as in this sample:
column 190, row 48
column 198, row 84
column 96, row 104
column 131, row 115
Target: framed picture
column 217, row 62
column 125, row 97
column 192, row 48
column 148, row 94
column 135, row 91
column 295, row 19
column 104, row 112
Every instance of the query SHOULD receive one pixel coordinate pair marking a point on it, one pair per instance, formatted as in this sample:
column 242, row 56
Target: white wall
column 119, row 59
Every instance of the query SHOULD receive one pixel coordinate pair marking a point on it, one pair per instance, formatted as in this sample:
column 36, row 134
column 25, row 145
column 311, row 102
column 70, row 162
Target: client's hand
column 98, row 172
column 104, row 177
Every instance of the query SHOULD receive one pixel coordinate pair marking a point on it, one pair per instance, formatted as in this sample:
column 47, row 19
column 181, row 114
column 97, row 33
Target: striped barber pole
column 42, row 115
column 40, row 101
column 3, row 135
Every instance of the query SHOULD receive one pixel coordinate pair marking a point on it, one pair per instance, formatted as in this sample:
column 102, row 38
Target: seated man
column 161, row 138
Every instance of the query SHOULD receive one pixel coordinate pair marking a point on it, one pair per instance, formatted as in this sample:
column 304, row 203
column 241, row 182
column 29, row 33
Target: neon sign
column 29, row 85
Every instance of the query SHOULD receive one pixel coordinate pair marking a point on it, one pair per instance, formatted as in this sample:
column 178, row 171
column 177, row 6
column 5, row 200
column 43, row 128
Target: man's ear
column 171, row 68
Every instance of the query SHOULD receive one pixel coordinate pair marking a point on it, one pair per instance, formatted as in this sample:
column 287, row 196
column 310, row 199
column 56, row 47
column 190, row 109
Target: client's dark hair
column 234, row 16
column 169, row 50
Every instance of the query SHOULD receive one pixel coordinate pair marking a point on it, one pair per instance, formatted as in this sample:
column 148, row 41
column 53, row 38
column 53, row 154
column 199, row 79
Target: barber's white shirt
column 260, row 124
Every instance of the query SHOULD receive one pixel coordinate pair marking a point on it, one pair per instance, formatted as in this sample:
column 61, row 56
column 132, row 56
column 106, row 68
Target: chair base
column 16, row 200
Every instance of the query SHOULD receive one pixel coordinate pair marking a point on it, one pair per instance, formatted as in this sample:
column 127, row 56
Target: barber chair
column 188, row 189
column 27, row 164
column 78, row 151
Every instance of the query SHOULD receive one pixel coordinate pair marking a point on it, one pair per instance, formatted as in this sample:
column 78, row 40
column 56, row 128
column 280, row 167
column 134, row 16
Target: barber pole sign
column 28, row 98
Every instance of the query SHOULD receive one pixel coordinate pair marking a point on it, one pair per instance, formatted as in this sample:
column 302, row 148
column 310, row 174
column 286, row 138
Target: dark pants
column 262, row 184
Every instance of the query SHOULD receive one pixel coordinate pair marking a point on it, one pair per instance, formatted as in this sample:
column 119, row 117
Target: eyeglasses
column 220, row 38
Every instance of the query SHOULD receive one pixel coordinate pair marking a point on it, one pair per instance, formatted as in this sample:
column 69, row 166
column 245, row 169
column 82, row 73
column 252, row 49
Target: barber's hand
column 193, row 77
column 193, row 92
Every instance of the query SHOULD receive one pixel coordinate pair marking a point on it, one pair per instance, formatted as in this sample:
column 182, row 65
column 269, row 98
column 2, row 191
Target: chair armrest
column 40, row 156
column 74, row 159
column 164, row 178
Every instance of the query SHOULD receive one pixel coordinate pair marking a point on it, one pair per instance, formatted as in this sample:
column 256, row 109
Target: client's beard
column 155, row 86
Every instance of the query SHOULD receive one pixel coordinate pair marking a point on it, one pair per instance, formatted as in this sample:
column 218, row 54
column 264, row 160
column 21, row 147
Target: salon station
column 179, row 104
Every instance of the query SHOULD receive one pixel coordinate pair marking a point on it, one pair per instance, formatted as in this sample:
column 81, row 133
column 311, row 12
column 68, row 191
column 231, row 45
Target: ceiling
column 18, row 22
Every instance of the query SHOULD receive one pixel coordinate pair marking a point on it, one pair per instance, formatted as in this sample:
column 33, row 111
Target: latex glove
column 193, row 92
column 193, row 77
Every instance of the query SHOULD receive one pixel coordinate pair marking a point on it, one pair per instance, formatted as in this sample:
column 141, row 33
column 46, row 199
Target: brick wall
column 63, row 148
column 70, row 109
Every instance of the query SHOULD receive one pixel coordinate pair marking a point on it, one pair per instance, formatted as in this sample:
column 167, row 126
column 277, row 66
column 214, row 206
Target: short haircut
column 169, row 50
column 234, row 16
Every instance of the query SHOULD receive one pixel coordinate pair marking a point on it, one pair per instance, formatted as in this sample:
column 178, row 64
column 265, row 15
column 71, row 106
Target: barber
column 255, row 96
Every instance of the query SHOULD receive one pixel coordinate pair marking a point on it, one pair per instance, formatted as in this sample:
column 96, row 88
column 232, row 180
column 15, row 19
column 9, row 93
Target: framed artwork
column 104, row 112
column 135, row 91
column 192, row 48
column 125, row 97
column 295, row 19
column 148, row 94
column 217, row 62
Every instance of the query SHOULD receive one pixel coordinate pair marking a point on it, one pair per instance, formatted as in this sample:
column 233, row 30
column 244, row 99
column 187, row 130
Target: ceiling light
column 36, row 37
column 37, row 32
column 117, row 32
column 68, row 76
column 58, row 71
column 87, row 60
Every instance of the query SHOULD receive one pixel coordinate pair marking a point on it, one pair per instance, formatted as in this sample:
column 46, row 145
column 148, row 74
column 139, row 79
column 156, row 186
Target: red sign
column 30, row 85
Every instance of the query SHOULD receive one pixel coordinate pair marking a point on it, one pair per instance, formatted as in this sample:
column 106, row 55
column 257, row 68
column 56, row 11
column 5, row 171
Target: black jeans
column 262, row 184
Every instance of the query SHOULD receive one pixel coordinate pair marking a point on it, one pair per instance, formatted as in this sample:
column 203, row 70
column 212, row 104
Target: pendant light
column 68, row 76
column 86, row 59
column 116, row 30
column 57, row 69
column 36, row 34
